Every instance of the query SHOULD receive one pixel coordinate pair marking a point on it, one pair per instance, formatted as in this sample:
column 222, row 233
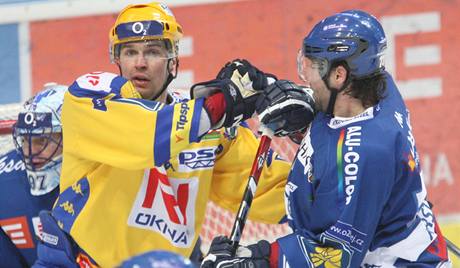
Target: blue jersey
column 19, row 212
column 355, row 195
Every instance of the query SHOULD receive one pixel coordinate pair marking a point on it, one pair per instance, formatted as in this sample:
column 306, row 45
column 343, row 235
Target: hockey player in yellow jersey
column 140, row 163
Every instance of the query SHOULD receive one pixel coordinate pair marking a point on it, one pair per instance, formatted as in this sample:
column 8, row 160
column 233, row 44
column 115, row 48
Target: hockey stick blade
column 251, row 187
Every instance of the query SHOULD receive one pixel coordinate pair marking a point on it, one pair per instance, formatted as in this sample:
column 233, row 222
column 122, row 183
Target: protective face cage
column 317, row 63
column 32, row 134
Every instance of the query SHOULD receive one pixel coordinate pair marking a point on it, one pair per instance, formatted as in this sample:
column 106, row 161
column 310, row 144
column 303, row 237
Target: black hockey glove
column 249, row 75
column 240, row 72
column 252, row 256
column 286, row 108
column 240, row 102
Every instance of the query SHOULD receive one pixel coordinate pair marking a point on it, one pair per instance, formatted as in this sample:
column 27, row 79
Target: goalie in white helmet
column 38, row 135
column 29, row 176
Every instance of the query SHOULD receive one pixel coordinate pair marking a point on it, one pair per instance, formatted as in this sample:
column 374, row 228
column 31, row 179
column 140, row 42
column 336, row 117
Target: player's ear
column 117, row 61
column 173, row 66
column 338, row 76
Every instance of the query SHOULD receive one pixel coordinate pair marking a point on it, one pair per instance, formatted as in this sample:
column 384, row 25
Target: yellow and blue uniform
column 137, row 174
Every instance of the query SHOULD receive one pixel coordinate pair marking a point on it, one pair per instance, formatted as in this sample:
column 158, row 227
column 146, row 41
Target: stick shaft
column 452, row 247
column 251, row 187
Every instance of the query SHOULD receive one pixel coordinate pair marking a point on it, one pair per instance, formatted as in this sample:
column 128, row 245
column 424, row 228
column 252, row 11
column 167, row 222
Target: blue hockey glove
column 252, row 256
column 56, row 249
column 286, row 108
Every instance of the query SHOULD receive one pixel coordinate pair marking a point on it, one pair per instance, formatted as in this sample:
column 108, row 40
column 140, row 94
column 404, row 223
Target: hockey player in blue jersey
column 29, row 176
column 355, row 196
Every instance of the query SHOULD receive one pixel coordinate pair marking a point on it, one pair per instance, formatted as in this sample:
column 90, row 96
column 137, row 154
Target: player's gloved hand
column 252, row 256
column 242, row 70
column 286, row 108
column 55, row 249
column 237, row 102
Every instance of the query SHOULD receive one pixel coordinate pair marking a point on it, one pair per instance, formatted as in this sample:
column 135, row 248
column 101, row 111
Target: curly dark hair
column 369, row 89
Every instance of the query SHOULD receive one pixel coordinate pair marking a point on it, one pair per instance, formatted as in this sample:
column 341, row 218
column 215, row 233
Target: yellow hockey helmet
column 142, row 22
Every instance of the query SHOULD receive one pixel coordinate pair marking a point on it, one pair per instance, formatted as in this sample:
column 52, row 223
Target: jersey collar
column 338, row 122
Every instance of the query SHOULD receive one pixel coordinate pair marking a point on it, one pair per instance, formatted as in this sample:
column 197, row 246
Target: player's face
column 41, row 148
column 145, row 64
column 309, row 72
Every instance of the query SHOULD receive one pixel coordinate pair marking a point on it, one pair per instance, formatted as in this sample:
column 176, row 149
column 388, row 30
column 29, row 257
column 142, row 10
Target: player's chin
column 146, row 92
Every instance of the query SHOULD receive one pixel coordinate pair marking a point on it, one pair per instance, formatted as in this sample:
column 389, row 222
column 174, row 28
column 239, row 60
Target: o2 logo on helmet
column 32, row 120
column 197, row 159
column 138, row 28
column 29, row 119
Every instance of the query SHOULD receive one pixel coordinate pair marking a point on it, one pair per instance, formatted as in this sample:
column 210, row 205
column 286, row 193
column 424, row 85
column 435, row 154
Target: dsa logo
column 166, row 206
column 197, row 159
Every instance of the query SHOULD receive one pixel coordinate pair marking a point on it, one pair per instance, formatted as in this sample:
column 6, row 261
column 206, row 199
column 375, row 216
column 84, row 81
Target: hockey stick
column 251, row 187
column 452, row 247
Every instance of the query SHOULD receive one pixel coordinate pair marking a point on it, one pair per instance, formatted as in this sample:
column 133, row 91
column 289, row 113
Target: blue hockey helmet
column 353, row 36
column 157, row 259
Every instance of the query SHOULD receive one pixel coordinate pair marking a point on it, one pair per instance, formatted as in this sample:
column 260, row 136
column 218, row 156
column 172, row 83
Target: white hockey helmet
column 38, row 136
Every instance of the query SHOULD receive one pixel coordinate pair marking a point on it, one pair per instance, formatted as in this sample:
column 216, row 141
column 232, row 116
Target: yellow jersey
column 136, row 174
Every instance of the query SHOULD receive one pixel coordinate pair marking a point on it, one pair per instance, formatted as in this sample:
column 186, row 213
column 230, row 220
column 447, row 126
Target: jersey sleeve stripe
column 79, row 92
column 198, row 107
column 116, row 85
column 162, row 141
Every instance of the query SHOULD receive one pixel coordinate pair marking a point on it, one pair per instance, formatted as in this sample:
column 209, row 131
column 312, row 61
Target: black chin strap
column 331, row 103
column 168, row 79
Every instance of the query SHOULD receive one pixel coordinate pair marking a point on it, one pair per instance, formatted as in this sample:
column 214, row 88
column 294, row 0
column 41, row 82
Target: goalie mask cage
column 218, row 221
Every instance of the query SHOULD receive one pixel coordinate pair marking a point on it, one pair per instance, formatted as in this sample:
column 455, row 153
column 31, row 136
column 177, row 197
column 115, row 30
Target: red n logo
column 176, row 208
